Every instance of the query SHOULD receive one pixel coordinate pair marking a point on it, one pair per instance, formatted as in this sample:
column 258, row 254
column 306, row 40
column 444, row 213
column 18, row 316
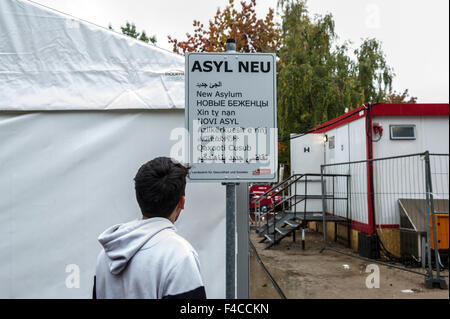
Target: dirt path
column 310, row 274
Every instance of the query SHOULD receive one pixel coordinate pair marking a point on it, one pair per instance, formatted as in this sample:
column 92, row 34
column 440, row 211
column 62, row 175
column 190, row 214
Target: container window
column 331, row 142
column 403, row 132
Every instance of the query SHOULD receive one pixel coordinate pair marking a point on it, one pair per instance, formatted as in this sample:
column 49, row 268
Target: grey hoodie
column 147, row 259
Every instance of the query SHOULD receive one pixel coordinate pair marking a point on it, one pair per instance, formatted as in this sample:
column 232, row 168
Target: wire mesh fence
column 396, row 210
column 439, row 167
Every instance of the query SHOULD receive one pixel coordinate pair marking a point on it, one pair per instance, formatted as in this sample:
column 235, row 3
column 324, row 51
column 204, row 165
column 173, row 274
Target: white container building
column 397, row 129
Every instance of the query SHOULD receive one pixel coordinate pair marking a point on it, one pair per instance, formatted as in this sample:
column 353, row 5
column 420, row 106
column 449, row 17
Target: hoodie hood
column 121, row 242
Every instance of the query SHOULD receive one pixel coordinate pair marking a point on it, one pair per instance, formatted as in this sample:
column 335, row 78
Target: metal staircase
column 282, row 218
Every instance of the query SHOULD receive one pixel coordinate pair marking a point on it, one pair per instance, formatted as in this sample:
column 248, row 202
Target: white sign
column 231, row 116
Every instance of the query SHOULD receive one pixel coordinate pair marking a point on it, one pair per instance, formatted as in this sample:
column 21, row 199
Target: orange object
column 441, row 231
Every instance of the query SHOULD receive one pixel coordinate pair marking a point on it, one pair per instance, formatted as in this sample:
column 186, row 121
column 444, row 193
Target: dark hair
column 159, row 186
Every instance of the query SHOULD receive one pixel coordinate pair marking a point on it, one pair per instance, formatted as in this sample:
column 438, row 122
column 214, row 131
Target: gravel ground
column 309, row 274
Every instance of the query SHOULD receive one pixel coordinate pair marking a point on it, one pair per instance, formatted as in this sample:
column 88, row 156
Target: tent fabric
column 67, row 176
column 52, row 61
column 81, row 108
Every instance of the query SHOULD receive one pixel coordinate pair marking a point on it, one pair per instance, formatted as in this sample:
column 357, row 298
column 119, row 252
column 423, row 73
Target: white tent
column 81, row 108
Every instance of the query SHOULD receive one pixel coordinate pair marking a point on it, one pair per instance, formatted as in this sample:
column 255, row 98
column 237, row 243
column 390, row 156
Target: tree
column 317, row 78
column 130, row 30
column 251, row 34
column 374, row 75
column 401, row 97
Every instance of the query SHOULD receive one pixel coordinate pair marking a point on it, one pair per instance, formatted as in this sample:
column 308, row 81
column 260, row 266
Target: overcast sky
column 414, row 33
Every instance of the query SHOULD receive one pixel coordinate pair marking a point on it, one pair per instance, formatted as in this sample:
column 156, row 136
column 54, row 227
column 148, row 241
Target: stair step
column 282, row 231
column 260, row 229
column 291, row 223
column 263, row 228
column 269, row 237
column 279, row 223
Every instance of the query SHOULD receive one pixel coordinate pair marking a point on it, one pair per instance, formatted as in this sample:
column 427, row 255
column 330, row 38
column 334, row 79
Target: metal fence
column 396, row 212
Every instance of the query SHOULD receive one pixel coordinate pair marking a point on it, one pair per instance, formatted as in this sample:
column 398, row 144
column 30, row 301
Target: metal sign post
column 230, row 291
column 231, row 118
column 230, row 242
column 237, row 236
column 242, row 231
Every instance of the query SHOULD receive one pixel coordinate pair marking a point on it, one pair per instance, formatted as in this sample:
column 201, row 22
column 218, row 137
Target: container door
column 341, row 150
column 307, row 154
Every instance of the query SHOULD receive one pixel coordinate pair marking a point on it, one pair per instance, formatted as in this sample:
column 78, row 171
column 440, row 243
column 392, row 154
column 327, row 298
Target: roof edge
column 387, row 109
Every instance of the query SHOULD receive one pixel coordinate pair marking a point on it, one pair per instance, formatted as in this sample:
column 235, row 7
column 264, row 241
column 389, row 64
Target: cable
column 380, row 136
column 408, row 262
column 377, row 140
column 274, row 283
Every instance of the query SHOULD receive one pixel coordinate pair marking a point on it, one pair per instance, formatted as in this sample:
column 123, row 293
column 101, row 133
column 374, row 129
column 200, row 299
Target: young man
column 147, row 258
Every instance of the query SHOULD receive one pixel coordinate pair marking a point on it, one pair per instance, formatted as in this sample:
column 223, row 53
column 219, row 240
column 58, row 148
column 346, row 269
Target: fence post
column 431, row 281
column 427, row 222
column 349, row 224
column 324, row 224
